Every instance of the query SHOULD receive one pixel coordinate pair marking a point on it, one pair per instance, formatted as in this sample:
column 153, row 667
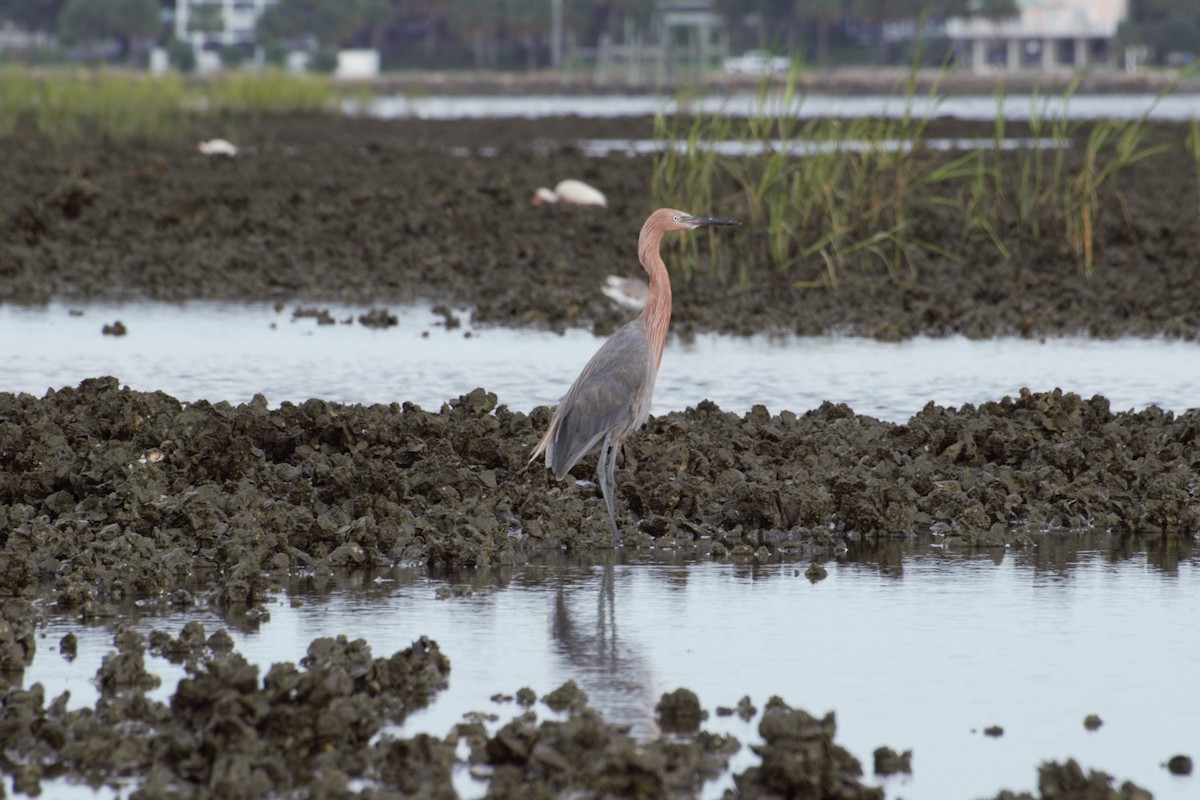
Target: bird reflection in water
column 617, row 678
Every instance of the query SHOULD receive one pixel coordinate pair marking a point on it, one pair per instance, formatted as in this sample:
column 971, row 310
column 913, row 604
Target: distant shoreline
column 840, row 81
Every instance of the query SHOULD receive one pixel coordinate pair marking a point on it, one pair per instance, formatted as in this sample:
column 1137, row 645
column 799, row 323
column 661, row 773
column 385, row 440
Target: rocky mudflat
column 109, row 495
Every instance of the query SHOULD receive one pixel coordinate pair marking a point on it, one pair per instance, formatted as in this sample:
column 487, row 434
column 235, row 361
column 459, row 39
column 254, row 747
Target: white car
column 756, row 62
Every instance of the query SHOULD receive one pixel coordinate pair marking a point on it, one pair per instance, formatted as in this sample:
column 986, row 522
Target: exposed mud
column 368, row 211
column 112, row 493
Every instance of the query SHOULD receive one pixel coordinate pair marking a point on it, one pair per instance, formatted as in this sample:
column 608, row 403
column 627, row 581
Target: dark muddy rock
column 995, row 731
column 566, row 697
column 584, row 755
column 225, row 732
column 324, row 211
column 378, row 318
column 313, row 729
column 419, row 767
column 18, row 622
column 450, row 320
column 69, row 646
column 889, row 762
column 800, row 759
column 321, row 315
column 680, row 712
column 1068, row 782
column 1180, row 765
column 125, row 669
column 746, row 709
column 191, row 645
column 1092, row 722
column 110, row 494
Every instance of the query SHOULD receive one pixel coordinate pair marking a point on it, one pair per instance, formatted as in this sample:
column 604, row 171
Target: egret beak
column 700, row 222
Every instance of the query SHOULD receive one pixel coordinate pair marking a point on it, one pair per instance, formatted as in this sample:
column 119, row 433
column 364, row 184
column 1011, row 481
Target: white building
column 1048, row 35
column 238, row 21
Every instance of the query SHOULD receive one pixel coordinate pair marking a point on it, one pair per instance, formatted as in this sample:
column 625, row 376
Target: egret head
column 670, row 219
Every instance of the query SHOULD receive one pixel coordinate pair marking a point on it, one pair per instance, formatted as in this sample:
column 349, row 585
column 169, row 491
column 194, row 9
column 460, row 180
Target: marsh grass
column 269, row 92
column 1111, row 148
column 822, row 197
column 65, row 106
column 1192, row 143
column 850, row 199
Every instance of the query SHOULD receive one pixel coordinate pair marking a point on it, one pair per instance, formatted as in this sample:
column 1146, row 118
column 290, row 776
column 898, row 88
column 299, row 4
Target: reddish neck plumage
column 656, row 316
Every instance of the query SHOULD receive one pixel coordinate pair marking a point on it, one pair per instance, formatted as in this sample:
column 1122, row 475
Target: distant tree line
column 1164, row 27
column 513, row 34
column 510, row 33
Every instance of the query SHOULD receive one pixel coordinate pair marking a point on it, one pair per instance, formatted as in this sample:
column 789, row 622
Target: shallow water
column 806, row 147
column 603, row 148
column 972, row 107
column 229, row 352
column 913, row 646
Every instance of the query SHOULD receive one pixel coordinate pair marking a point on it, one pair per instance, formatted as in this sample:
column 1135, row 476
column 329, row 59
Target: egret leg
column 606, row 465
column 612, row 486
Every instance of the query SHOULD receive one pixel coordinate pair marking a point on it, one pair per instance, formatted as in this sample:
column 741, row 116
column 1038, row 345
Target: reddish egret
column 611, row 397
column 571, row 191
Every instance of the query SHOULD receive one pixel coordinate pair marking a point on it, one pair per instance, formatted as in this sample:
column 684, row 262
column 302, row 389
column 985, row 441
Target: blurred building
column 18, row 40
column 1048, row 35
column 208, row 24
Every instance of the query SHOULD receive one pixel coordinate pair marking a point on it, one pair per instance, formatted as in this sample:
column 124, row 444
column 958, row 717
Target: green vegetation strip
column 65, row 105
column 860, row 195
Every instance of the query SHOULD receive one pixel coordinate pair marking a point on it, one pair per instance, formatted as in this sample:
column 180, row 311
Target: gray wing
column 607, row 397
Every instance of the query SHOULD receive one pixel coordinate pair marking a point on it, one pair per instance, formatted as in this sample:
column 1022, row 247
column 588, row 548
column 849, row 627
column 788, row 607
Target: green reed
column 835, row 193
column 985, row 194
column 269, row 92
column 1020, row 189
column 1193, row 146
column 1111, row 148
column 824, row 196
column 67, row 105
column 689, row 169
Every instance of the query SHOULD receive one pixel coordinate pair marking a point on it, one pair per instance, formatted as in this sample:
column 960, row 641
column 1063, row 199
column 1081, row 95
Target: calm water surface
column 913, row 646
column 232, row 352
column 1178, row 106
